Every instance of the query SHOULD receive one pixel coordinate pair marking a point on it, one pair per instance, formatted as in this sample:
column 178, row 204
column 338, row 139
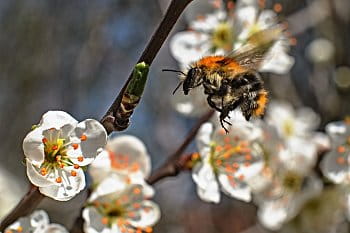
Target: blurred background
column 75, row 55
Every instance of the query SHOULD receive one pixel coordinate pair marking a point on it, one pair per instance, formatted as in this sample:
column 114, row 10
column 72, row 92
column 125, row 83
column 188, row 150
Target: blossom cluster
column 272, row 162
column 59, row 147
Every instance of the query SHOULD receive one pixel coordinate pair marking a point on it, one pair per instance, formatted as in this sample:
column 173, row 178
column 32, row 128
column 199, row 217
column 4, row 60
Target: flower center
column 223, row 37
column 230, row 155
column 292, row 181
column 288, row 127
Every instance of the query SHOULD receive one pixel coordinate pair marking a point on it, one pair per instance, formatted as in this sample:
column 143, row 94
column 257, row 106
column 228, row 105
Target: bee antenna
column 177, row 87
column 176, row 71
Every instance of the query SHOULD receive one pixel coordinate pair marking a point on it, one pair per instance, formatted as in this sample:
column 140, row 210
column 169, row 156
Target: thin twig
column 175, row 162
column 175, row 9
column 28, row 203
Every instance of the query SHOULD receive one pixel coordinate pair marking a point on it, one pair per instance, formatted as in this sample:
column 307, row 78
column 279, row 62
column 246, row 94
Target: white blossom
column 286, row 181
column 57, row 148
column 226, row 162
column 336, row 163
column 118, row 206
column 37, row 222
column 126, row 155
column 219, row 33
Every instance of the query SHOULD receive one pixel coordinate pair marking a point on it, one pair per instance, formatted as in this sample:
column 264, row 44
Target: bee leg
column 223, row 115
column 212, row 104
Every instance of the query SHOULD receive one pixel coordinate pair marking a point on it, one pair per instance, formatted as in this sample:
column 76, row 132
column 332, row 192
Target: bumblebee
column 233, row 81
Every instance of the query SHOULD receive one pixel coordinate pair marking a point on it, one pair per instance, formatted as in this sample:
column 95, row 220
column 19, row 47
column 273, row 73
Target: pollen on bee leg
column 59, row 179
column 341, row 160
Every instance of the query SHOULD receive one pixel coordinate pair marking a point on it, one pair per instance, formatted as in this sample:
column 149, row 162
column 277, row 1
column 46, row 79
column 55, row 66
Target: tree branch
column 176, row 162
column 34, row 197
column 174, row 11
column 28, row 203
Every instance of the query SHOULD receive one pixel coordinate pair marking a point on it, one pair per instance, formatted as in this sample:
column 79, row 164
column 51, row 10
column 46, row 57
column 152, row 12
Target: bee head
column 192, row 79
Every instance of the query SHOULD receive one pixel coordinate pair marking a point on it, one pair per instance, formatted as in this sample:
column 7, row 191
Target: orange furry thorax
column 219, row 62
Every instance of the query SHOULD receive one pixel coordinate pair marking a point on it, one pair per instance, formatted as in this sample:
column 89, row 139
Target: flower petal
column 93, row 221
column 38, row 218
column 277, row 61
column 134, row 149
column 95, row 138
column 207, row 186
column 149, row 215
column 115, row 183
column 69, row 186
column 203, row 139
column 239, row 190
column 272, row 215
column 55, row 228
column 335, row 169
column 35, row 177
column 33, row 147
column 56, row 119
column 187, row 47
column 267, row 19
column 209, row 22
column 100, row 167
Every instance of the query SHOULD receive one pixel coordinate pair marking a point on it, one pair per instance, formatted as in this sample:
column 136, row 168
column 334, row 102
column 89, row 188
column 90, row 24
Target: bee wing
column 251, row 54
